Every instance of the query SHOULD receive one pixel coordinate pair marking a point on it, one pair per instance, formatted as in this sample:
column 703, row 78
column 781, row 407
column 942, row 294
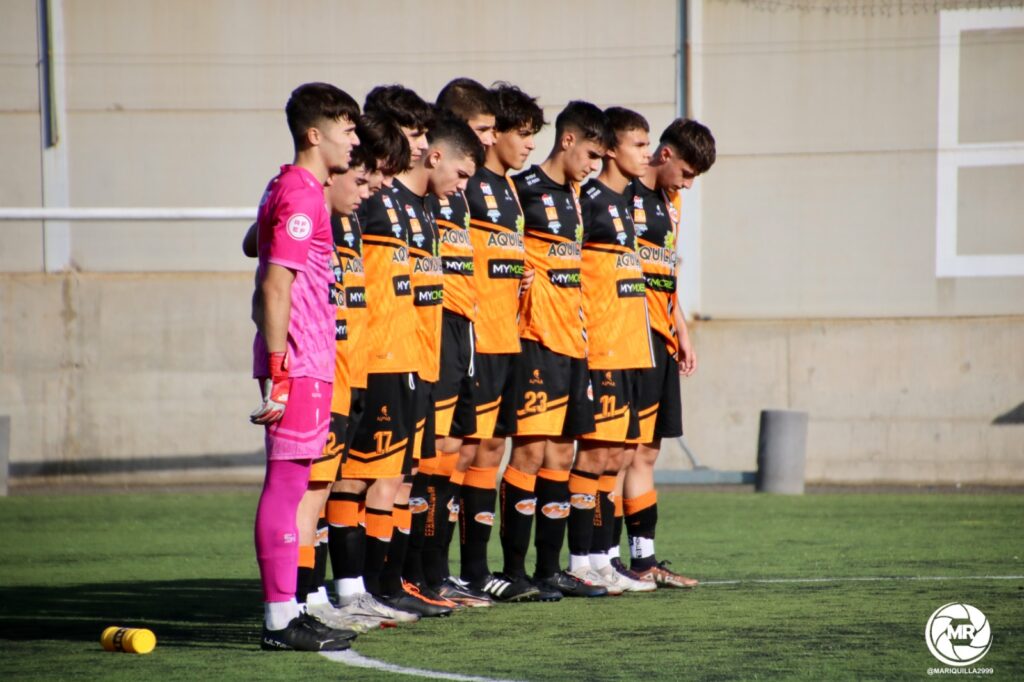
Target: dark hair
column 401, row 104
column 692, row 141
column 466, row 98
column 381, row 145
column 313, row 103
column 513, row 108
column 456, row 133
column 583, row 118
column 622, row 120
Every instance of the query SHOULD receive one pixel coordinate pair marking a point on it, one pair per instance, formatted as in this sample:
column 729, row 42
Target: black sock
column 582, row 506
column 476, row 518
column 435, row 558
column 346, row 538
column 391, row 575
column 378, row 542
column 552, row 516
column 604, row 524
column 518, row 504
column 412, row 569
column 640, row 526
column 320, row 558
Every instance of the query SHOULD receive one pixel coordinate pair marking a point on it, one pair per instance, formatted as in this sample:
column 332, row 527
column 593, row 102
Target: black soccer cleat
column 462, row 593
column 571, row 586
column 505, row 588
column 410, row 599
column 305, row 633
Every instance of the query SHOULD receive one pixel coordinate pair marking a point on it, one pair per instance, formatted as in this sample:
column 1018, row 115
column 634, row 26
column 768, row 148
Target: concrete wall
column 821, row 210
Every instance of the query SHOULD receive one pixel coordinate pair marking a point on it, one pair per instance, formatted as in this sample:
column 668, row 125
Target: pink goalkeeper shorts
column 302, row 431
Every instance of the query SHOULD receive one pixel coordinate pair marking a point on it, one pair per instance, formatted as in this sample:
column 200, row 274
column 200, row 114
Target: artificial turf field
column 183, row 565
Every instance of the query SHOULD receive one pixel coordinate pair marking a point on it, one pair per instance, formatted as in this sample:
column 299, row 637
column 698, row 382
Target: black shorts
column 553, row 395
column 495, row 393
column 422, row 445
column 659, row 404
column 453, row 393
column 615, row 401
column 383, row 436
column 326, row 467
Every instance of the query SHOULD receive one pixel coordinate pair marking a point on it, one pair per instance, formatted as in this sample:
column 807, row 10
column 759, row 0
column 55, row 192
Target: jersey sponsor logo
column 582, row 501
column 400, row 255
column 627, row 261
column 485, row 517
column 355, row 297
column 551, row 213
column 402, row 285
column 494, row 215
column 353, row 266
column 631, row 288
column 547, row 200
column 392, row 215
column 446, row 212
column 564, row 250
column 531, row 179
column 299, row 226
column 568, row 278
column 396, row 229
column 499, row 268
column 536, row 378
column 490, row 201
column 555, row 510
column 613, row 211
column 657, row 254
column 427, row 266
column 350, row 239
column 387, row 201
column 418, row 505
column 431, row 294
column 455, row 237
column 410, row 211
column 663, row 284
column 336, row 296
column 504, row 240
column 485, row 187
column 457, row 265
column 340, row 330
column 527, row 507
column 593, row 192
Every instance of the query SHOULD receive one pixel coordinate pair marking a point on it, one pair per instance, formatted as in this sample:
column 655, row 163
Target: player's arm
column 249, row 242
column 687, row 358
column 275, row 291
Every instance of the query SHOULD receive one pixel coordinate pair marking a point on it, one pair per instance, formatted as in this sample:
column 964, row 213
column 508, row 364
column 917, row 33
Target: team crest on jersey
column 548, row 201
column 613, row 210
column 387, row 201
column 300, row 226
column 485, row 187
column 410, row 211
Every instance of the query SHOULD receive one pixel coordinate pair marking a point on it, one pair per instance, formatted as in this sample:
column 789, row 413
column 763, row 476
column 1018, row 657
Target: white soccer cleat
column 592, row 577
column 610, row 575
column 364, row 604
column 338, row 619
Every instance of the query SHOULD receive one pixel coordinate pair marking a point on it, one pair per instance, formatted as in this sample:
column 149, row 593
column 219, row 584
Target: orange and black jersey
column 496, row 230
column 551, row 310
column 618, row 332
column 351, row 318
column 427, row 277
column 656, row 216
column 391, row 320
column 452, row 215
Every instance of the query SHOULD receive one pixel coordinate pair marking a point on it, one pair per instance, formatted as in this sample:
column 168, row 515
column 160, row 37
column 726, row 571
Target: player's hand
column 527, row 280
column 687, row 358
column 275, row 391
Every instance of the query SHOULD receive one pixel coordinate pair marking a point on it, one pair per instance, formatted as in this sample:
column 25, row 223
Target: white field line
column 355, row 660
column 868, row 579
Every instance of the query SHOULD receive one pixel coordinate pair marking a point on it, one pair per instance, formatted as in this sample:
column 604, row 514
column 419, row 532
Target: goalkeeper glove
column 275, row 391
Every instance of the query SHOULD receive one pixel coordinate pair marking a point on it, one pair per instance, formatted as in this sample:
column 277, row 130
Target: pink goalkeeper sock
column 277, row 537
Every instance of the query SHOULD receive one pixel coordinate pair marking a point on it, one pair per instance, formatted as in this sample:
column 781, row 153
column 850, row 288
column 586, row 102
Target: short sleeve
column 290, row 232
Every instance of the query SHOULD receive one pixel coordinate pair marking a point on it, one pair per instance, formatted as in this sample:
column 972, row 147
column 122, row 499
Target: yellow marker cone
column 128, row 640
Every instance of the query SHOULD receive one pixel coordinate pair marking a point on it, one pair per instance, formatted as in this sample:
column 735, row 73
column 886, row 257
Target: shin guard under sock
column 518, row 506
column 391, row 575
column 476, row 518
column 641, row 520
column 379, row 528
column 552, row 516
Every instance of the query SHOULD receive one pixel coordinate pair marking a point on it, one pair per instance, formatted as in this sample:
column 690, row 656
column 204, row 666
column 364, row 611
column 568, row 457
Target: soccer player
column 618, row 343
column 553, row 395
column 293, row 351
column 496, row 231
column 435, row 497
column 686, row 149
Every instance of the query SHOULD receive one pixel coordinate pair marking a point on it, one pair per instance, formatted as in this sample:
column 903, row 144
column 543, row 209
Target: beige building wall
column 817, row 225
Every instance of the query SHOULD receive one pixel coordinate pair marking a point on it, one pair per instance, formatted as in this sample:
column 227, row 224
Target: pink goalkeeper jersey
column 294, row 231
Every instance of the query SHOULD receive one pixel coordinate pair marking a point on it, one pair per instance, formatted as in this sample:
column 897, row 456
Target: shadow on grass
column 183, row 613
